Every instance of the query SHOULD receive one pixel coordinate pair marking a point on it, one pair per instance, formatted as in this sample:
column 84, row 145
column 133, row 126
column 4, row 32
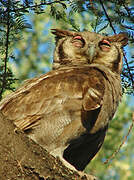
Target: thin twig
column 128, row 27
column 123, row 142
column 127, row 9
column 129, row 71
column 108, row 18
column 6, row 51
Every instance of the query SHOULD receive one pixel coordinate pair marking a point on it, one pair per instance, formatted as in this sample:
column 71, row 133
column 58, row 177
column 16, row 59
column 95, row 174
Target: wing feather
column 64, row 91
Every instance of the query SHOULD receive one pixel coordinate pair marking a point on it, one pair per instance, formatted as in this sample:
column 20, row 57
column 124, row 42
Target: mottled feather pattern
column 67, row 111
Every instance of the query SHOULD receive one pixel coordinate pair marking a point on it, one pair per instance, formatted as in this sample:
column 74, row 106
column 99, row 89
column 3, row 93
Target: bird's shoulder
column 67, row 88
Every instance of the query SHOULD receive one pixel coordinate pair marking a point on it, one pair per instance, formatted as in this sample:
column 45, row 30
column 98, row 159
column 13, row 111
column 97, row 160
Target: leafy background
column 26, row 50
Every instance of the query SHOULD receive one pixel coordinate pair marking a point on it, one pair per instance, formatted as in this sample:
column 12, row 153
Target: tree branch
column 108, row 18
column 128, row 27
column 123, row 142
column 128, row 68
column 22, row 158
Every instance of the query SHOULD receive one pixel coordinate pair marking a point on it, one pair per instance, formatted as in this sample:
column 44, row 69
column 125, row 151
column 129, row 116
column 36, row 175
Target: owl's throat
column 67, row 62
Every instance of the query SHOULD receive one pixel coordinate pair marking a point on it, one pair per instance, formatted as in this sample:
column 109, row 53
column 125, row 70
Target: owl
column 67, row 110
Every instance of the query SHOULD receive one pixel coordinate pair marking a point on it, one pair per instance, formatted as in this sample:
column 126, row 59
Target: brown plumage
column 67, row 110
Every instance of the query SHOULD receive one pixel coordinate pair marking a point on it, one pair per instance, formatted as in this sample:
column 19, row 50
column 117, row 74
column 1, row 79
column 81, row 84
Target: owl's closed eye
column 67, row 110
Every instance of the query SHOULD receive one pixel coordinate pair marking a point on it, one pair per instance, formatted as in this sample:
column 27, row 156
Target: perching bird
column 67, row 110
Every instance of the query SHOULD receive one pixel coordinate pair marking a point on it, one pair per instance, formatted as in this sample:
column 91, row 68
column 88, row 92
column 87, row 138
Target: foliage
column 26, row 47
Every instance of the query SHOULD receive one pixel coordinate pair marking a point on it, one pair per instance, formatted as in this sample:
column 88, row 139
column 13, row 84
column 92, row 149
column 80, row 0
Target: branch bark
column 21, row 158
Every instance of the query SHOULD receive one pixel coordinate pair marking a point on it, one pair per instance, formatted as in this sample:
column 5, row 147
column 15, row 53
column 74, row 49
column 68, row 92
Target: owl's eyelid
column 78, row 37
column 105, row 42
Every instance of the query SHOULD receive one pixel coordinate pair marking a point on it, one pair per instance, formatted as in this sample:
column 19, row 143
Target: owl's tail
column 81, row 150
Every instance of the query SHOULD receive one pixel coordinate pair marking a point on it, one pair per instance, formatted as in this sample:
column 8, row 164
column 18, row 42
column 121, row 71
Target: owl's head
column 80, row 48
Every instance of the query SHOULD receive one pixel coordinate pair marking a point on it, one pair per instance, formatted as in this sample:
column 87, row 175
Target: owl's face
column 79, row 48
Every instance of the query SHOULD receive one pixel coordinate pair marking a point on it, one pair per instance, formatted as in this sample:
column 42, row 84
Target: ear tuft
column 122, row 38
column 58, row 32
column 62, row 33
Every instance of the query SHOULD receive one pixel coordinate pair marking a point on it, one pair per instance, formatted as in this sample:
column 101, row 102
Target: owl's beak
column 91, row 52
